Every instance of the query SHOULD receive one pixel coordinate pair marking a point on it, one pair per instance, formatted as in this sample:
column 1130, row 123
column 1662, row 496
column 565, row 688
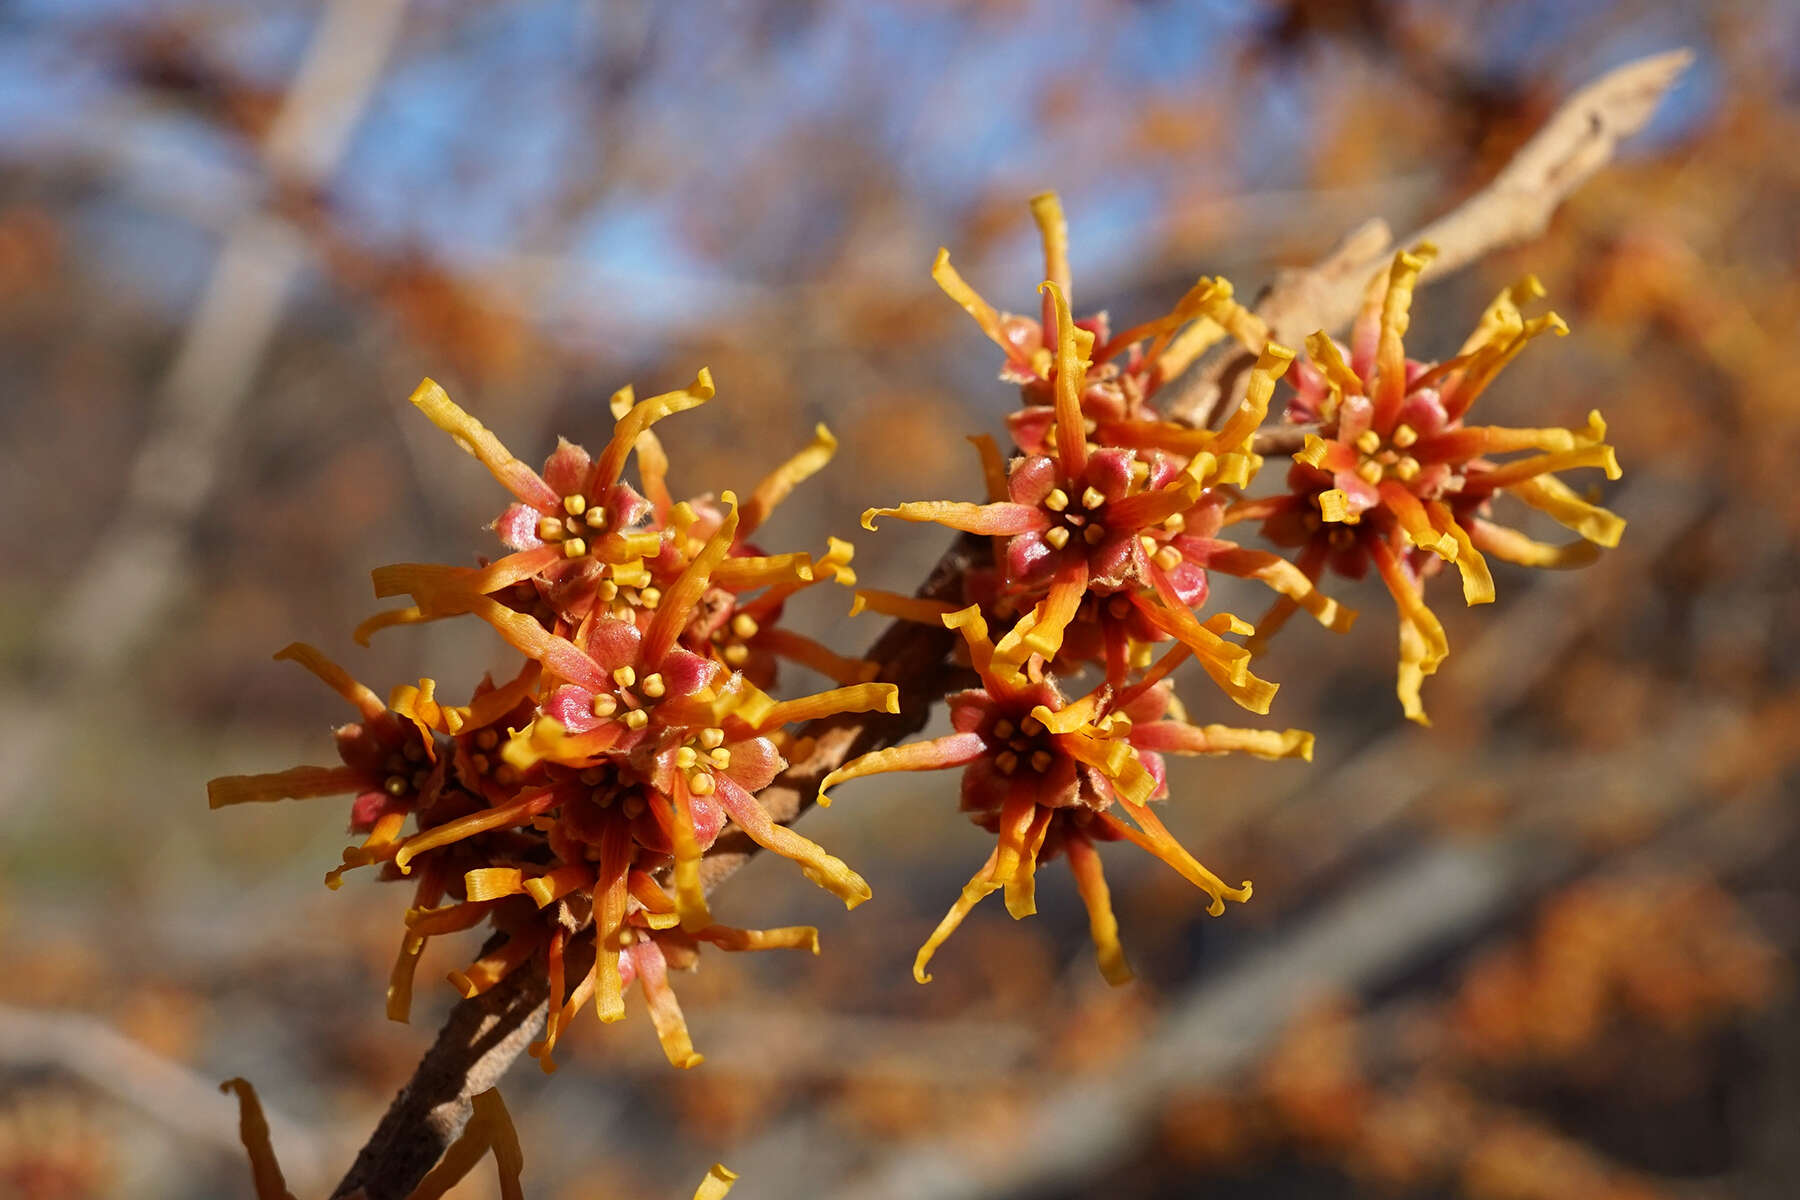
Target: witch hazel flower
column 585, row 541
column 390, row 768
column 609, row 837
column 1050, row 777
column 618, row 692
column 1395, row 477
column 573, row 529
column 737, row 621
column 1126, row 370
column 1095, row 540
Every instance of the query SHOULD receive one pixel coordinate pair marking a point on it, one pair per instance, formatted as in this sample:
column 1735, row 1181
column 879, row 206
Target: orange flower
column 585, row 542
column 1395, row 477
column 1045, row 773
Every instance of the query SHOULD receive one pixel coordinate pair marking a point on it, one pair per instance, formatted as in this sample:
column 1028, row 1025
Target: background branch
column 1580, row 138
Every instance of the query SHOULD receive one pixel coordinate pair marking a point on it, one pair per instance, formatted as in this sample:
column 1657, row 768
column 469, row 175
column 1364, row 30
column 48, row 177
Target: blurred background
column 1544, row 949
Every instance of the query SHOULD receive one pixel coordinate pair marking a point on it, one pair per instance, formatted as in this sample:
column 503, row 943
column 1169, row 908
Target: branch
column 483, row 1036
column 1577, row 141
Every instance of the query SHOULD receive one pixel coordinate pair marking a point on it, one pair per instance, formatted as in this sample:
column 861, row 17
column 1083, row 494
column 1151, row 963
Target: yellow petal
column 784, row 479
column 857, row 697
column 979, row 886
column 1053, row 230
column 1271, row 364
column 717, row 1183
column 1325, row 356
column 1512, row 546
column 334, row 677
column 476, row 439
column 1073, row 350
column 1103, row 926
column 1556, row 499
column 491, row 883
column 958, row 290
column 607, row 468
column 907, row 608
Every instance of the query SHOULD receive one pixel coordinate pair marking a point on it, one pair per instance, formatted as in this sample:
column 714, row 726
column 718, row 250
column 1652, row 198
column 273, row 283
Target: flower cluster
column 1105, row 525
column 1107, row 519
column 637, row 726
column 1044, row 773
column 586, row 789
column 1394, row 476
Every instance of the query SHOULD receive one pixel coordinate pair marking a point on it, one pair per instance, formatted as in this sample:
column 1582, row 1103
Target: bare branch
column 481, row 1039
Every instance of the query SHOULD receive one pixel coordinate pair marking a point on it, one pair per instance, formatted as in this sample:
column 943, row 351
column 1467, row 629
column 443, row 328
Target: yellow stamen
column 1368, row 441
column 549, row 529
column 1092, row 498
column 654, row 687
column 1057, row 500
column 1058, row 537
column 575, row 548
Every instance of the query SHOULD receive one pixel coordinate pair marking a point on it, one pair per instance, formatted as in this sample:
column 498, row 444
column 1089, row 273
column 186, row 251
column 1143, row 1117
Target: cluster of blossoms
column 1391, row 474
column 635, row 729
column 585, row 790
column 1106, row 522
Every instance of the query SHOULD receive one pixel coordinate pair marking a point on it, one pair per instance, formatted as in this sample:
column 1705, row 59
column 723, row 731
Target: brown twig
column 1579, row 139
column 483, row 1036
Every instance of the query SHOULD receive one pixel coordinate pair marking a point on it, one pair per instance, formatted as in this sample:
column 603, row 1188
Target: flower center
column 1025, row 747
column 1378, row 459
column 572, row 529
column 483, row 760
column 635, row 696
column 406, row 769
column 700, row 756
column 731, row 639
